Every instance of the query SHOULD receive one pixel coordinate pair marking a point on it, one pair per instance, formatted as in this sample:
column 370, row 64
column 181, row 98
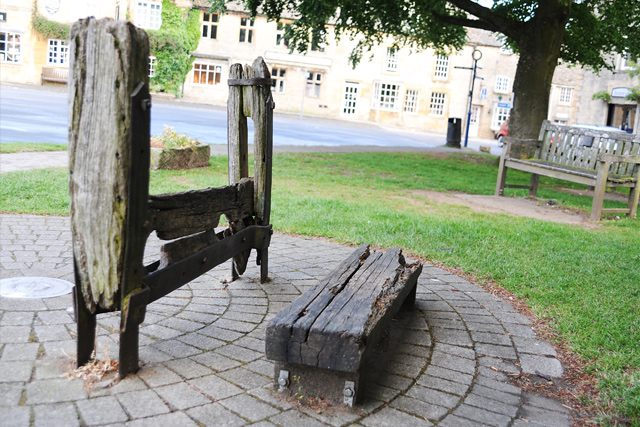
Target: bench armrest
column 520, row 148
column 619, row 158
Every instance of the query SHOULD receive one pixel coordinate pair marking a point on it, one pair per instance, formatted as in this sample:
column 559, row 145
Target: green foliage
column 172, row 45
column 49, row 29
column 603, row 95
column 634, row 71
column 172, row 139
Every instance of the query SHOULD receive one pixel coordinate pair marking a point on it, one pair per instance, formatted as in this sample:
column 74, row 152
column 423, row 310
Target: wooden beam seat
column 596, row 158
column 321, row 341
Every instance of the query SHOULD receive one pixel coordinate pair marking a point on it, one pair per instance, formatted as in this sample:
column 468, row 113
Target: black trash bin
column 454, row 132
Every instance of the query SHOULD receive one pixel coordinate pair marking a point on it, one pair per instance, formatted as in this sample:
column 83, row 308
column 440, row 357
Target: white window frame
column 565, row 96
column 502, row 84
column 437, row 104
column 153, row 65
column 441, row 71
column 12, row 51
column 386, row 96
column 500, row 114
column 411, row 99
column 207, row 69
column 57, row 52
column 148, row 14
column 314, row 82
column 209, row 23
column 278, row 79
column 281, row 29
column 391, row 60
column 246, row 30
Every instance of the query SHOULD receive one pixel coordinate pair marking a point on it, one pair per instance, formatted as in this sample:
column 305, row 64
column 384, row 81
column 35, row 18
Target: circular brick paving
column 202, row 349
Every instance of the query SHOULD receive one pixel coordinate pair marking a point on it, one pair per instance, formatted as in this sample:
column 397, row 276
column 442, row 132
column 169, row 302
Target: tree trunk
column 540, row 41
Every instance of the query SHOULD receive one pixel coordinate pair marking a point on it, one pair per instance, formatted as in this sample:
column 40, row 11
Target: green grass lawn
column 584, row 282
column 21, row 147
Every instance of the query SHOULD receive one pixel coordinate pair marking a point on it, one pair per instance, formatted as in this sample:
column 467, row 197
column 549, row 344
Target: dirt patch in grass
column 514, row 206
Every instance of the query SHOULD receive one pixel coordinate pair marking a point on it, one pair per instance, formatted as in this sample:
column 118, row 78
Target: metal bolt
column 348, row 392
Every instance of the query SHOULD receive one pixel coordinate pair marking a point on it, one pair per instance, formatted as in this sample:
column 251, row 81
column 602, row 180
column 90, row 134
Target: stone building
column 417, row 90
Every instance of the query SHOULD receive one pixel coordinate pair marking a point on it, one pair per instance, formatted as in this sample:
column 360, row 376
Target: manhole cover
column 34, row 287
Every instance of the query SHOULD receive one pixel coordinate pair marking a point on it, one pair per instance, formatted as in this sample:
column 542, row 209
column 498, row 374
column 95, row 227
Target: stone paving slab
column 202, row 349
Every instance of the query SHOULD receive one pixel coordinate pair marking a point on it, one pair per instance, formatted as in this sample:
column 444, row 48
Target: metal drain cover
column 34, row 287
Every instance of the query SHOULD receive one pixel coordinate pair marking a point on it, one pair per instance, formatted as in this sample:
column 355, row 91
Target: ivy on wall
column 172, row 44
column 47, row 28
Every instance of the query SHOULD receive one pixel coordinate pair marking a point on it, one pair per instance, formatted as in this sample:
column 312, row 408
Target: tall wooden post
column 250, row 96
column 108, row 132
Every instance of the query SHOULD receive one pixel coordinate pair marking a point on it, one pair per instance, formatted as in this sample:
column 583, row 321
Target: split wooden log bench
column 596, row 158
column 112, row 213
column 321, row 342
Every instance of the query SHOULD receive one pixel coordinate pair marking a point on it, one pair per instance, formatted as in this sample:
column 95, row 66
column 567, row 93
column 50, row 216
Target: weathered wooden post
column 250, row 96
column 108, row 132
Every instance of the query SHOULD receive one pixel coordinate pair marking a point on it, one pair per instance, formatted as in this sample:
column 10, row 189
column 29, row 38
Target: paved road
column 202, row 349
column 39, row 114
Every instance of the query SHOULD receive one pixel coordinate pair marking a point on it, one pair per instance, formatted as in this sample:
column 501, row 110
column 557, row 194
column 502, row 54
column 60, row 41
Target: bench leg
column 502, row 178
column 533, row 186
column 410, row 301
column 598, row 194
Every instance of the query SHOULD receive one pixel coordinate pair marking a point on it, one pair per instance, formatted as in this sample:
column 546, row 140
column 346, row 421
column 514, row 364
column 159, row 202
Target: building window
column 391, row 62
column 278, row 79
column 566, row 94
column 206, row 74
column 385, row 96
column 149, row 14
column 153, row 64
column 625, row 62
column 500, row 114
column 313, row 84
column 502, row 84
column 317, row 46
column 9, row 47
column 436, row 106
column 57, row 52
column 411, row 101
column 281, row 36
column 210, row 25
column 350, row 98
column 442, row 67
column 246, row 30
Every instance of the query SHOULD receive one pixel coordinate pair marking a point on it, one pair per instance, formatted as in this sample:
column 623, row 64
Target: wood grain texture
column 109, row 60
column 181, row 214
column 334, row 324
column 237, row 129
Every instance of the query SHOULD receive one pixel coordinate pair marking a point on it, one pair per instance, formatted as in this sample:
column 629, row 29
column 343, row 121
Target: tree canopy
column 542, row 32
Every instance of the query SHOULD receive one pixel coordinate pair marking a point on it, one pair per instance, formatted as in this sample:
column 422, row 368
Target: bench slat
column 299, row 314
column 332, row 325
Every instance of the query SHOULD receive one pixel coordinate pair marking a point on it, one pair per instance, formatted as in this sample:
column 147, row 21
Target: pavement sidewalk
column 202, row 349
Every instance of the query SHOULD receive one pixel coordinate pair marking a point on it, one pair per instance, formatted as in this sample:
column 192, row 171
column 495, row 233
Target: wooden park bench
column 321, row 342
column 592, row 157
column 112, row 213
column 58, row 75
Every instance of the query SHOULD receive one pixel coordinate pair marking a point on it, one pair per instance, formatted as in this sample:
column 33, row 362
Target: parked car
column 502, row 132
